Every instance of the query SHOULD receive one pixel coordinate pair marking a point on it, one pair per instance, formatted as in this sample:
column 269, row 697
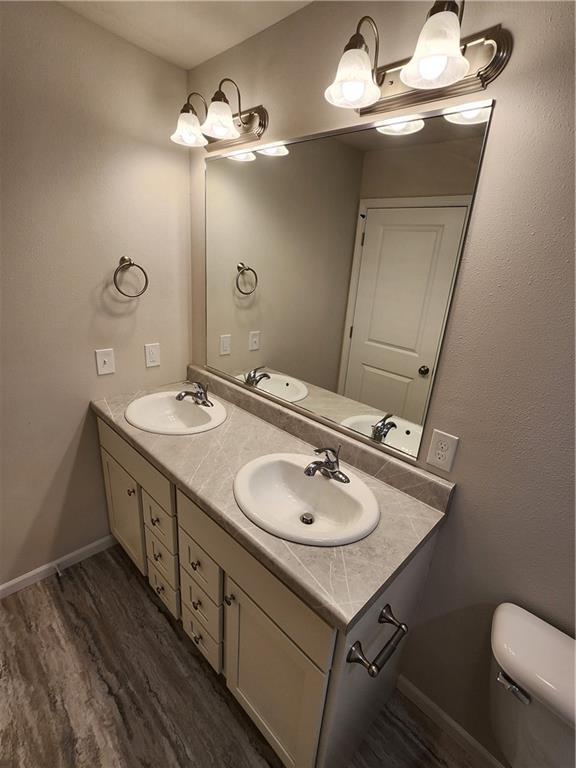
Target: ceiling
column 185, row 33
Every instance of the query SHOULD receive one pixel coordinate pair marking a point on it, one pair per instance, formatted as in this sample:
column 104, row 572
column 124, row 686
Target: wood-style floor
column 94, row 675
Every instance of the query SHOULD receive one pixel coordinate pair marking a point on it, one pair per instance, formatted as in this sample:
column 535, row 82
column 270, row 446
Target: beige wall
column 87, row 176
column 293, row 220
column 504, row 382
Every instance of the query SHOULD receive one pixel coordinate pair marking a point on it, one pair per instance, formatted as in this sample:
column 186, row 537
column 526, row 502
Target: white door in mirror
column 163, row 414
column 276, row 495
column 442, row 450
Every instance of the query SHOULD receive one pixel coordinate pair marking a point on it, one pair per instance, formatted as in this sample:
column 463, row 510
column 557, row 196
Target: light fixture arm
column 357, row 41
column 188, row 106
column 229, row 80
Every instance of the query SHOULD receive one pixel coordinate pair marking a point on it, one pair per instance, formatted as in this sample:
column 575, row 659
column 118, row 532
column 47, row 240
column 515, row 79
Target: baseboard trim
column 444, row 721
column 49, row 569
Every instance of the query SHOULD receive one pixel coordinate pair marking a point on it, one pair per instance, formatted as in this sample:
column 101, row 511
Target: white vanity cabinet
column 286, row 665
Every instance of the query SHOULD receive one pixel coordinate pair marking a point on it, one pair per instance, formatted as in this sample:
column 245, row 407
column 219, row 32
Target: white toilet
column 532, row 690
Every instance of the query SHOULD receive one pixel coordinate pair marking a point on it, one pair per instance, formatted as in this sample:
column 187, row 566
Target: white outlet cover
column 253, row 341
column 105, row 362
column 225, row 344
column 442, row 450
column 152, row 354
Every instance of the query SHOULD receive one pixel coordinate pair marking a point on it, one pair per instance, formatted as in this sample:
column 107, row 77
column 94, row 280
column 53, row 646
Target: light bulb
column 468, row 114
column 401, row 126
column 219, row 123
column 431, row 67
column 353, row 86
column 277, row 151
column 188, row 133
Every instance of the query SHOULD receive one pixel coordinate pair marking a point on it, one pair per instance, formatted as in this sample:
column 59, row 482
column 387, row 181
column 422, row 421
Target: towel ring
column 242, row 268
column 126, row 263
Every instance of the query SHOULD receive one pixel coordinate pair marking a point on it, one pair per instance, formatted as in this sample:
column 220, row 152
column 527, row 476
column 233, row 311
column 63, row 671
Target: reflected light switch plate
column 105, row 362
column 225, row 344
column 253, row 341
column 152, row 354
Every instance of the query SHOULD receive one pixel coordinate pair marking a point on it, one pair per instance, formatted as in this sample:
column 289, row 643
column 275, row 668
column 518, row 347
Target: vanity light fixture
column 277, row 150
column 219, row 123
column 188, row 132
column 401, row 126
column 438, row 60
column 468, row 114
column 242, row 157
column 356, row 84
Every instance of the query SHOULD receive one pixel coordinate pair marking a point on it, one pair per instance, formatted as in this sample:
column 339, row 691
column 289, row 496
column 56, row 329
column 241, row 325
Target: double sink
column 308, row 500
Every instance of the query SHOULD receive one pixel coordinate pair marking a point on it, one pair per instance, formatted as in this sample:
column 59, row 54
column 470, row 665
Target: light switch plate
column 442, row 450
column 152, row 354
column 105, row 362
column 253, row 340
column 225, row 344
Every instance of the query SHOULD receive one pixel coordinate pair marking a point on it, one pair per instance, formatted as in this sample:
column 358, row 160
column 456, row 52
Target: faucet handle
column 332, row 456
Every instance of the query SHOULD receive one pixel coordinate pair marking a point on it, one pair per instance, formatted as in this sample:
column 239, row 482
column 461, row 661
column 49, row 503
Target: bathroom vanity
column 281, row 621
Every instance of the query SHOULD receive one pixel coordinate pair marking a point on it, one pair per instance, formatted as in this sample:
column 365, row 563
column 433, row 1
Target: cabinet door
column 124, row 511
column 276, row 683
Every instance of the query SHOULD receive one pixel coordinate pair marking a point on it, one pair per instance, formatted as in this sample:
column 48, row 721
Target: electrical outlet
column 152, row 354
column 442, row 450
column 105, row 362
column 253, row 340
column 225, row 344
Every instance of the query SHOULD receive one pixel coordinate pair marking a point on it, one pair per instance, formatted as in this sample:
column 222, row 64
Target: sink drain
column 307, row 518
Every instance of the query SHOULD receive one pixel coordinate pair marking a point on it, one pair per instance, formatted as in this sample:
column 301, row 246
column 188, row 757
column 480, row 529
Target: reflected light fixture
column 438, row 60
column 219, row 123
column 188, row 132
column 468, row 114
column 401, row 126
column 356, row 83
column 278, row 150
column 242, row 157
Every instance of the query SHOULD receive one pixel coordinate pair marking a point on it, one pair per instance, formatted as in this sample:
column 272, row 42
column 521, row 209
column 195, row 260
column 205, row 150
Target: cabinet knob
column 195, row 565
column 160, row 589
column 229, row 599
column 196, row 604
column 158, row 556
column 197, row 639
column 154, row 520
column 131, row 491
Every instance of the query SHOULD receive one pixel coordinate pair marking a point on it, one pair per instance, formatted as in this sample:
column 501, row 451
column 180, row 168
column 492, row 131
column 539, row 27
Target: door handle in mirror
column 423, row 370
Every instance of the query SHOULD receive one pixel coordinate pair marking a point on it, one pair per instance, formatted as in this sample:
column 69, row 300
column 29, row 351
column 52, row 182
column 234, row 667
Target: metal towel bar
column 356, row 655
column 126, row 263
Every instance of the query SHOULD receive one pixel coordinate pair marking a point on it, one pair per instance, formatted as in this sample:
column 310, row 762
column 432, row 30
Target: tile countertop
column 339, row 583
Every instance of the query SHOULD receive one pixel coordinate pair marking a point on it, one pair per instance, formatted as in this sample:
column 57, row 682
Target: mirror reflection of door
column 400, row 290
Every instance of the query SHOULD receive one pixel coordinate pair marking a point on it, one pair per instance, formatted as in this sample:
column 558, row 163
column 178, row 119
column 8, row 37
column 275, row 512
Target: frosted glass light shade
column 401, row 126
column 188, row 132
column 469, row 114
column 278, row 151
column 437, row 60
column 353, row 86
column 242, row 157
column 219, row 123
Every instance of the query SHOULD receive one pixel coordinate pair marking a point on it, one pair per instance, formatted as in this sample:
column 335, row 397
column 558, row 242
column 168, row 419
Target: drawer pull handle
column 158, row 556
column 229, row 599
column 131, row 491
column 160, row 589
column 196, row 604
column 195, row 565
column 197, row 639
column 356, row 655
column 155, row 520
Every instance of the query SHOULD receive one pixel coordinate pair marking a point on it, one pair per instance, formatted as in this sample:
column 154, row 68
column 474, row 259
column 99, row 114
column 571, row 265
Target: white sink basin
column 283, row 386
column 274, row 493
column 406, row 437
column 163, row 414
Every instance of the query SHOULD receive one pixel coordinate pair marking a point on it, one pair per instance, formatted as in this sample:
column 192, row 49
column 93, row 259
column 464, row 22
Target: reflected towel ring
column 126, row 263
column 242, row 268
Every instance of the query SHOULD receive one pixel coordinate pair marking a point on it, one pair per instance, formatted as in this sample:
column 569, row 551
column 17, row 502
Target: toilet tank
column 532, row 690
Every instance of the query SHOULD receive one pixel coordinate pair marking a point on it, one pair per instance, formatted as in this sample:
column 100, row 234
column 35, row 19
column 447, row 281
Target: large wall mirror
column 330, row 268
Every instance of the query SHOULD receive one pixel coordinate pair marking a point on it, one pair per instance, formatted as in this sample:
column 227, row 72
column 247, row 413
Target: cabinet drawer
column 201, row 606
column 170, row 597
column 162, row 525
column 164, row 561
column 136, row 465
column 308, row 630
column 198, row 564
column 209, row 648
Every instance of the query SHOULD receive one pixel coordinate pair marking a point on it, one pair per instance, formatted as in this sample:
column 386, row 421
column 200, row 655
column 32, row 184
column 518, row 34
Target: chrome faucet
column 329, row 467
column 253, row 378
column 382, row 427
column 198, row 393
